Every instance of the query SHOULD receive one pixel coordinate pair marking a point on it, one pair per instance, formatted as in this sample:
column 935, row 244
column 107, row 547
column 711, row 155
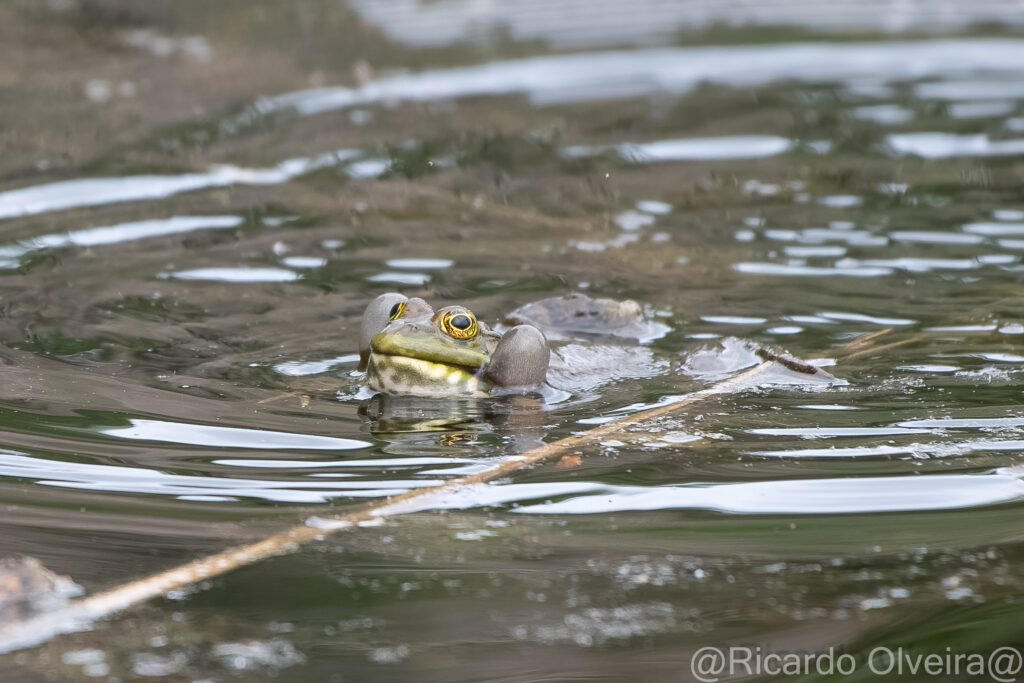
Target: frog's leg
column 520, row 359
column 375, row 319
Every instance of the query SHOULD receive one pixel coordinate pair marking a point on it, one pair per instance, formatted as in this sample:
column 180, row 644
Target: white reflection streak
column 373, row 462
column 607, row 75
column 114, row 234
column 234, row 274
column 947, row 145
column 91, row 477
column 68, row 194
column 297, row 368
column 690, row 149
column 228, row 437
column 939, row 449
column 806, row 496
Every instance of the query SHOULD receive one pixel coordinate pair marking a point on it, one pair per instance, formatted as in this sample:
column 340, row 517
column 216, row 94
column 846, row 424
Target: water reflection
column 227, row 437
column 415, row 425
column 948, row 145
column 235, row 274
column 304, row 261
column 845, row 270
column 69, row 194
column 735, row 147
column 981, row 110
column 10, row 256
column 608, row 75
column 195, row 488
column 302, row 368
column 884, row 114
column 575, row 24
column 808, row 496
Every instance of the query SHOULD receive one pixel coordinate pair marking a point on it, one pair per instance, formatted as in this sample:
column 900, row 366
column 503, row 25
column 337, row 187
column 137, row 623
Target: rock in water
column 27, row 588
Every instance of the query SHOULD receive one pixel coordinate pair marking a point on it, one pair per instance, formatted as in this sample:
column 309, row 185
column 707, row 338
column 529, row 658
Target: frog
column 408, row 348
column 556, row 348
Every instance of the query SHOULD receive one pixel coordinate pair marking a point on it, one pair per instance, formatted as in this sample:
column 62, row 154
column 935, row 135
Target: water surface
column 181, row 290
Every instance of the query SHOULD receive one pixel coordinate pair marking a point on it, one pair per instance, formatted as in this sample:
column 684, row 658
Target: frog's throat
column 413, row 376
column 427, row 349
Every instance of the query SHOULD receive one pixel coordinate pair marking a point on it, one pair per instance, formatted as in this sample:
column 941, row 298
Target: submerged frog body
column 406, row 347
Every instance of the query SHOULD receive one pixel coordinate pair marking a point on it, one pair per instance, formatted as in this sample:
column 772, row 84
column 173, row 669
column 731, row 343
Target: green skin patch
column 426, row 347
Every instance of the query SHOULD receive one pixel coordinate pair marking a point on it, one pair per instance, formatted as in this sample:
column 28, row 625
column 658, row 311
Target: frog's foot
column 520, row 359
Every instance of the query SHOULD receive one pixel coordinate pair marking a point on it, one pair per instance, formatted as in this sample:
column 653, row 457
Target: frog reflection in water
column 408, row 348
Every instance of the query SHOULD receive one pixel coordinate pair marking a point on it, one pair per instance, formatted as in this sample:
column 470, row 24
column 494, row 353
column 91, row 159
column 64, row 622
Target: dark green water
column 197, row 203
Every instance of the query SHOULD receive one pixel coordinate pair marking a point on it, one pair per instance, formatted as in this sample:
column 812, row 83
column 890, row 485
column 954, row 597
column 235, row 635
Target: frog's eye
column 396, row 310
column 460, row 325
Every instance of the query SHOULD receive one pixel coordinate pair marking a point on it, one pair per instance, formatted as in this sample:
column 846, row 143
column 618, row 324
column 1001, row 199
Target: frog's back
column 578, row 316
column 603, row 338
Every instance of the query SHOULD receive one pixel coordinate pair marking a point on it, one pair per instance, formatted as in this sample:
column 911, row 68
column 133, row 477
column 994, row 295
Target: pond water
column 197, row 203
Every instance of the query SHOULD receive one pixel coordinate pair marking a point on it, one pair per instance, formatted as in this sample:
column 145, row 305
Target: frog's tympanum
column 406, row 347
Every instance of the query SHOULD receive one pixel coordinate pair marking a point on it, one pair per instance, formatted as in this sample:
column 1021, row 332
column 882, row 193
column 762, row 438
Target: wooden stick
column 78, row 614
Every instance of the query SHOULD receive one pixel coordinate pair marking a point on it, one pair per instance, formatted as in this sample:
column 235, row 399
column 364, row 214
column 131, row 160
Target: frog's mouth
column 421, row 366
column 428, row 350
column 414, row 375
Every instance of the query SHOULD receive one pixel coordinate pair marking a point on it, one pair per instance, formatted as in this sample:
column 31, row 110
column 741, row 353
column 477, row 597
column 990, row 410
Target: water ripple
column 689, row 149
column 123, row 479
column 935, row 449
column 964, row 423
column 228, row 437
column 235, row 274
column 830, row 432
column 855, row 270
column 116, row 234
column 806, row 496
column 69, row 194
column 619, row 74
column 994, row 229
column 382, row 463
column 295, row 368
column 934, row 237
column 947, row 145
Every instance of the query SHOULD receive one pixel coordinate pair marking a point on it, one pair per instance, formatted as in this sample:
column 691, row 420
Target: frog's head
column 406, row 347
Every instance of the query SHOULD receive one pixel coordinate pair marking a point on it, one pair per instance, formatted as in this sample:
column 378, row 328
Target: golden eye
column 396, row 310
column 460, row 325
